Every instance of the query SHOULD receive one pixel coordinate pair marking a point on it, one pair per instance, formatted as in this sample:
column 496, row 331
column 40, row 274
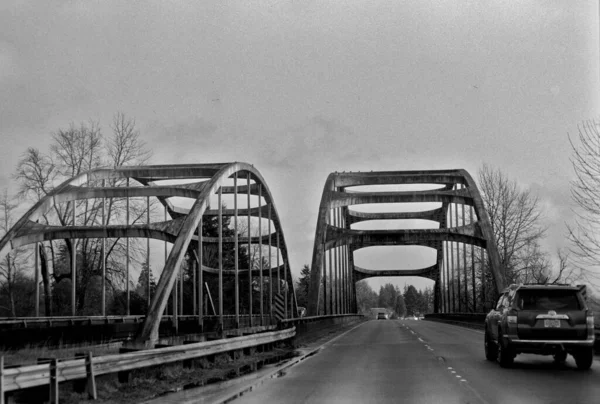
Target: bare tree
column 126, row 147
column 74, row 151
column 515, row 217
column 11, row 267
column 585, row 192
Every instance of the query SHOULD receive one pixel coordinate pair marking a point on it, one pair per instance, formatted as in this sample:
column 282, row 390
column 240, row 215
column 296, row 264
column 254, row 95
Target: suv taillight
column 589, row 321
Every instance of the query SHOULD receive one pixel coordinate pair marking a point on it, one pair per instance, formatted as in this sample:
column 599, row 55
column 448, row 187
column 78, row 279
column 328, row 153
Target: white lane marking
column 421, row 339
column 449, row 367
column 463, row 380
column 453, row 371
column 463, row 328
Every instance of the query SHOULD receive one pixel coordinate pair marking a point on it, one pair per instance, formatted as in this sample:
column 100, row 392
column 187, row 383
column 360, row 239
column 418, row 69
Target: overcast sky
column 304, row 88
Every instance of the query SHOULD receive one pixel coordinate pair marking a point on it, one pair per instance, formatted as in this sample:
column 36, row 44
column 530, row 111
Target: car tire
column 506, row 356
column 560, row 357
column 584, row 358
column 491, row 349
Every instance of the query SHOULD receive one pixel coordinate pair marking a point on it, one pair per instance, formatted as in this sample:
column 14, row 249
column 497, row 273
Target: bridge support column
column 249, row 255
column 200, row 279
column 236, row 252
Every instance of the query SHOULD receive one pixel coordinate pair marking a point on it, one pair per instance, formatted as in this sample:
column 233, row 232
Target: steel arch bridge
column 333, row 272
column 198, row 183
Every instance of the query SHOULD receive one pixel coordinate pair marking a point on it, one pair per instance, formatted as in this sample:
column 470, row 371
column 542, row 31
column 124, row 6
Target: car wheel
column 506, row 356
column 491, row 349
column 560, row 357
column 584, row 358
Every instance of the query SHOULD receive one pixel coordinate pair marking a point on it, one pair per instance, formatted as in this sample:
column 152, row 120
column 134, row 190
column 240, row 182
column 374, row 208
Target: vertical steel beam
column 457, row 257
column 465, row 263
column 200, row 278
column 338, row 264
column 483, row 278
column 37, row 280
column 336, row 277
column 249, row 259
column 348, row 286
column 287, row 288
column 270, row 270
column 127, row 247
column 278, row 270
column 331, row 281
column 325, row 282
column 260, row 263
column 181, row 276
column 342, row 274
column 473, row 264
column 173, row 291
column 104, row 223
column 148, row 250
column 220, row 259
column 236, row 251
column 443, row 279
column 194, row 290
column 452, row 279
column 73, row 268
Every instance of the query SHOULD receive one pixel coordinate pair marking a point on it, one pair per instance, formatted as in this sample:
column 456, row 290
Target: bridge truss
column 463, row 225
column 181, row 228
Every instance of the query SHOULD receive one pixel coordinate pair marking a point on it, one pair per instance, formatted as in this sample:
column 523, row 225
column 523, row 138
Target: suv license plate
column 552, row 323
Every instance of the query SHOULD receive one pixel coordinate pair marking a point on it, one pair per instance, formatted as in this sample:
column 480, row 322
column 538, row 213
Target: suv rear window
column 549, row 299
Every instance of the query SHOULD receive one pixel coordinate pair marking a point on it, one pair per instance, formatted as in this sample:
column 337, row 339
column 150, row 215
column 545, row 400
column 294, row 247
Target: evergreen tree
column 366, row 298
column 302, row 286
column 411, row 299
column 142, row 283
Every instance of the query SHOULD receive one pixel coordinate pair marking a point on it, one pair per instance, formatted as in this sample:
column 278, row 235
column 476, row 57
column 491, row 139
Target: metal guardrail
column 19, row 333
column 18, row 378
column 25, row 322
column 12, row 379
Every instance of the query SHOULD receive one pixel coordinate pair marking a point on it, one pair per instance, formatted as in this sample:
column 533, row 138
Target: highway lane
column 405, row 361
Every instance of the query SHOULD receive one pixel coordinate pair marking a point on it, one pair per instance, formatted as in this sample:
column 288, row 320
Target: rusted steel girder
column 335, row 195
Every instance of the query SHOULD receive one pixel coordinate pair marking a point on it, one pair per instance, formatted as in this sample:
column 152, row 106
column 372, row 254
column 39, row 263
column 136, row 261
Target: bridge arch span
column 333, row 272
column 182, row 229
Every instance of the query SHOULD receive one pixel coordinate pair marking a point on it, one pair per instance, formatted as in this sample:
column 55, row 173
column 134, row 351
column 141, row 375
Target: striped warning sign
column 279, row 306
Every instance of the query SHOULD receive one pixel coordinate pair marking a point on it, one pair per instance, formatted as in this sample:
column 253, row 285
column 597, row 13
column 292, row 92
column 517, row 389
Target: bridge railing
column 17, row 333
column 18, row 378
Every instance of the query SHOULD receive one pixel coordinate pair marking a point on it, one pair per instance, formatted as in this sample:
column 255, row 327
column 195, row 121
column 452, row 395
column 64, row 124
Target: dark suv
column 540, row 319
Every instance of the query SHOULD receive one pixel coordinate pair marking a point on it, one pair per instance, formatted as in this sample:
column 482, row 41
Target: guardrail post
column 91, row 380
column 1, row 379
column 80, row 384
column 53, row 399
column 123, row 376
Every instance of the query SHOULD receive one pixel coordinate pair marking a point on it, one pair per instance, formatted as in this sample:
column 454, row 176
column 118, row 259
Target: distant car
column 381, row 316
column 540, row 319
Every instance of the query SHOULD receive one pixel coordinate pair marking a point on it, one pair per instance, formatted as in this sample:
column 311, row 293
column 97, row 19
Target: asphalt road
column 395, row 361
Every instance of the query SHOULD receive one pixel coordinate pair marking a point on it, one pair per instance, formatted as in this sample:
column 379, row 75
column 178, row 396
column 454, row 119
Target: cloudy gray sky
column 304, row 88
